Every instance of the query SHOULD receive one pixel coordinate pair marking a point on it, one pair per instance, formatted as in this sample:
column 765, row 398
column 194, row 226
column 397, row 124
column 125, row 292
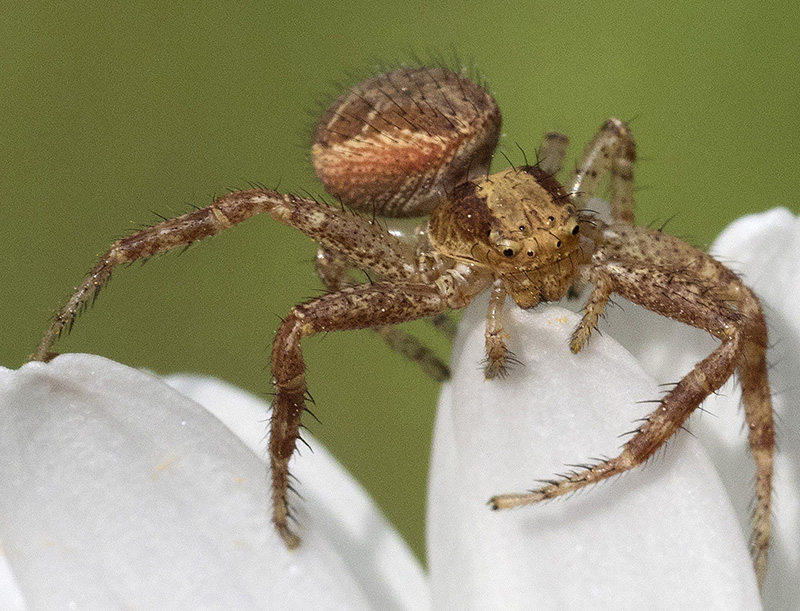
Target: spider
column 418, row 142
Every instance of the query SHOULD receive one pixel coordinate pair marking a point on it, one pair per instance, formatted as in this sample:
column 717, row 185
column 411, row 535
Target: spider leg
column 334, row 271
column 356, row 307
column 496, row 351
column 354, row 236
column 612, row 150
column 552, row 152
column 595, row 305
column 708, row 375
column 445, row 324
column 414, row 350
column 671, row 278
column 757, row 401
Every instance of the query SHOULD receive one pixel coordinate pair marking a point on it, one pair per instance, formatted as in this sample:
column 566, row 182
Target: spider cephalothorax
column 418, row 141
column 518, row 223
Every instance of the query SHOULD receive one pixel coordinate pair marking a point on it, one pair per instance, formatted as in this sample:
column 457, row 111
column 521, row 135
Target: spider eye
column 576, row 229
column 509, row 248
column 558, row 244
column 522, row 227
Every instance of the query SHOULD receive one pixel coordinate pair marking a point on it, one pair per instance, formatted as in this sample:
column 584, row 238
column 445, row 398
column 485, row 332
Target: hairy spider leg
column 356, row 307
column 350, row 234
column 704, row 294
column 334, row 271
column 602, row 287
column 757, row 401
column 611, row 150
column 497, row 354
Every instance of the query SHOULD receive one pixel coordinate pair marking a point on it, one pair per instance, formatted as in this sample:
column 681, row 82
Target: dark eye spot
column 551, row 218
column 530, row 253
column 522, row 227
column 558, row 244
column 576, row 229
column 508, row 252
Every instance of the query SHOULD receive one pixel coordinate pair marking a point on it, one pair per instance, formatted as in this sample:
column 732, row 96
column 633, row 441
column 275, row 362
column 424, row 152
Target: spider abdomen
column 395, row 143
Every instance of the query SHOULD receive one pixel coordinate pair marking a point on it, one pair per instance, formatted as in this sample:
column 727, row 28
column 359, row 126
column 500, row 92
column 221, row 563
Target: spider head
column 520, row 223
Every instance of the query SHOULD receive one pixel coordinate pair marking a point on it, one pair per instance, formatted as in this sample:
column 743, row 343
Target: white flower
column 121, row 493
column 118, row 491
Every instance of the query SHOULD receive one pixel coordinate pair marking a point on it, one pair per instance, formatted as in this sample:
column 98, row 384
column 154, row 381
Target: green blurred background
column 112, row 112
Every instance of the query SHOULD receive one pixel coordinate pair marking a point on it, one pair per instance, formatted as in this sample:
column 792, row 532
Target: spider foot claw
column 291, row 540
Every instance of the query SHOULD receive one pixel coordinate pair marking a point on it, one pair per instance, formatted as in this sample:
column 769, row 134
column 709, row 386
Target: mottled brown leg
column 707, row 376
column 706, row 295
column 349, row 234
column 611, row 150
column 358, row 307
column 496, row 351
column 598, row 299
column 757, row 401
column 692, row 287
column 334, row 271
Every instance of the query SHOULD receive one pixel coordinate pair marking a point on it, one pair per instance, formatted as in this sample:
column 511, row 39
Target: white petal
column 334, row 503
column 121, row 493
column 765, row 249
column 661, row 537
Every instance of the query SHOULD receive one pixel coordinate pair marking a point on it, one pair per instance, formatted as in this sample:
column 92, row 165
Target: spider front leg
column 706, row 377
column 357, row 238
column 225, row 212
column 357, row 307
column 677, row 281
column 594, row 308
column 497, row 355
